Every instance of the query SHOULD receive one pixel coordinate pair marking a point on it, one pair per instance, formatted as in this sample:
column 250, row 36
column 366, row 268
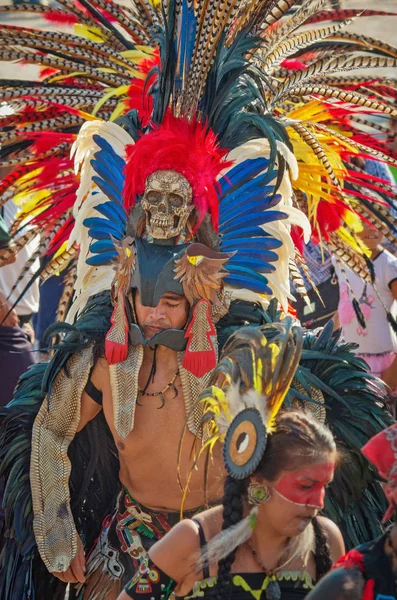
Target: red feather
column 137, row 98
column 60, row 18
column 46, row 72
column 297, row 238
column 189, row 148
column 293, row 65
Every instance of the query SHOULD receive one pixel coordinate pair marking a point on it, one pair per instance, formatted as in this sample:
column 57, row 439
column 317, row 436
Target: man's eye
column 306, row 487
column 171, row 305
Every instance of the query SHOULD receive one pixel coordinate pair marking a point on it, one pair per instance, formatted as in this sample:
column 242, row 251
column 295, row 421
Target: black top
column 294, row 585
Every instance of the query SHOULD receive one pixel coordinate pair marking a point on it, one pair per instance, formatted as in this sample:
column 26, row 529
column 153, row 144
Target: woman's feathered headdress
column 249, row 386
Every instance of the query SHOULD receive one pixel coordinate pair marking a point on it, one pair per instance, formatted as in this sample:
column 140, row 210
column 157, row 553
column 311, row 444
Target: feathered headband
column 250, row 384
column 187, row 147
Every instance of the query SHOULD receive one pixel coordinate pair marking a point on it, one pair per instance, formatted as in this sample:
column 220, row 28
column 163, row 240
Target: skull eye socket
column 176, row 200
column 154, row 197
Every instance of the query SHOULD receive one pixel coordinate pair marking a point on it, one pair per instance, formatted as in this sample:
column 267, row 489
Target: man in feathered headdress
column 182, row 221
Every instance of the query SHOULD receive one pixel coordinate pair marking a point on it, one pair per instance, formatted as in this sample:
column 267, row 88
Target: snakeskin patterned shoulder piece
column 54, row 429
column 124, row 386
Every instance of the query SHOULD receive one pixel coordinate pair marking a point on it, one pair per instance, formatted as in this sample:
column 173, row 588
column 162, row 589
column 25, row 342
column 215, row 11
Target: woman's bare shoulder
column 211, row 521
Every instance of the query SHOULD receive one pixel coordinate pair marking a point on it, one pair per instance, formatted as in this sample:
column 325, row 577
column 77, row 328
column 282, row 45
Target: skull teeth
column 158, row 221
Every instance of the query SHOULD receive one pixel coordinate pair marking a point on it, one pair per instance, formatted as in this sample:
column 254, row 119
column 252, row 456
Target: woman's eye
column 306, row 487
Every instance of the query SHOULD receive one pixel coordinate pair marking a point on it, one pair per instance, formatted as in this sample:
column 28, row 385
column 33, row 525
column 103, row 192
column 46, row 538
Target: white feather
column 290, row 159
column 91, row 280
column 254, row 400
column 226, row 541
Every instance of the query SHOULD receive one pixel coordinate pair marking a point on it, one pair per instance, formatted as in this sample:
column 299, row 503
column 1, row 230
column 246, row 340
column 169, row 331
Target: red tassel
column 200, row 355
column 116, row 342
column 350, row 560
column 369, row 590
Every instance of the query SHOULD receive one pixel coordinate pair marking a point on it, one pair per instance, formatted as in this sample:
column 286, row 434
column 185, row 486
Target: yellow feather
column 110, row 93
column 90, row 33
column 139, row 53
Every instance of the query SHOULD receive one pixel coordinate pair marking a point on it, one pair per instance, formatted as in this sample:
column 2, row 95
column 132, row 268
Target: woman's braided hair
column 322, row 556
column 298, row 439
column 233, row 506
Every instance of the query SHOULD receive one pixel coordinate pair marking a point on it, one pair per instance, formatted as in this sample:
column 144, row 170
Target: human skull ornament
column 167, row 202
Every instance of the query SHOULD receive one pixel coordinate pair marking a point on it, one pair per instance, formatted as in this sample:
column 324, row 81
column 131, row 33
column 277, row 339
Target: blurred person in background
column 16, row 331
column 375, row 337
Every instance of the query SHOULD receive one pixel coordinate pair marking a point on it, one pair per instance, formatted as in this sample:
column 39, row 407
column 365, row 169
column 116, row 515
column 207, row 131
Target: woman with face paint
column 266, row 541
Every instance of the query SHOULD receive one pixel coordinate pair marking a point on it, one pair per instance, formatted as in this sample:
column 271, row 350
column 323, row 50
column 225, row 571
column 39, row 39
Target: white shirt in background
column 378, row 336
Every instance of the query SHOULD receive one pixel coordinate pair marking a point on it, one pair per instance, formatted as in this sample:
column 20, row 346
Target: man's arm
column 340, row 584
column 91, row 400
column 174, row 557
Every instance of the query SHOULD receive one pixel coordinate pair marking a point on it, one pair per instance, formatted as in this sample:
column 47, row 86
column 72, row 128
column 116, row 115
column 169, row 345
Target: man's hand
column 76, row 572
column 12, row 319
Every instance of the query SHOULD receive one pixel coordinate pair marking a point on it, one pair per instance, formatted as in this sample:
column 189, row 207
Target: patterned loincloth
column 126, row 536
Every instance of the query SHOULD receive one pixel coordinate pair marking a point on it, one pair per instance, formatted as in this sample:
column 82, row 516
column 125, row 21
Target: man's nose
column 158, row 311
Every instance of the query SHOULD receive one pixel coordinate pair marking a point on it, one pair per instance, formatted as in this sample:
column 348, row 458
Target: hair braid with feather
column 232, row 514
column 322, row 556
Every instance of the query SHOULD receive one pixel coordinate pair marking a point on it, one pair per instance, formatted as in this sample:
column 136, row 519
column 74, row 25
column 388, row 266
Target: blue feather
column 101, row 234
column 249, row 188
column 113, row 211
column 261, row 218
column 101, row 246
column 265, row 243
column 103, row 224
column 187, row 38
column 107, row 148
column 108, row 190
column 251, row 281
column 244, row 232
column 260, row 195
column 101, row 259
column 241, row 172
column 263, row 204
column 255, row 264
column 257, row 254
column 108, row 173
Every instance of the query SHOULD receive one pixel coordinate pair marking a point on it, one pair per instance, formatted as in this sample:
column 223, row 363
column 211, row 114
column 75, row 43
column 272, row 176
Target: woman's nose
column 318, row 499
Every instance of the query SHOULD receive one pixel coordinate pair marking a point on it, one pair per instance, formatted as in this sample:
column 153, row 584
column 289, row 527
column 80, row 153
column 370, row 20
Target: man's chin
column 150, row 332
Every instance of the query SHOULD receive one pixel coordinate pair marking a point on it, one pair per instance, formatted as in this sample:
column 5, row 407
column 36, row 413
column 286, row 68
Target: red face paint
column 306, row 486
